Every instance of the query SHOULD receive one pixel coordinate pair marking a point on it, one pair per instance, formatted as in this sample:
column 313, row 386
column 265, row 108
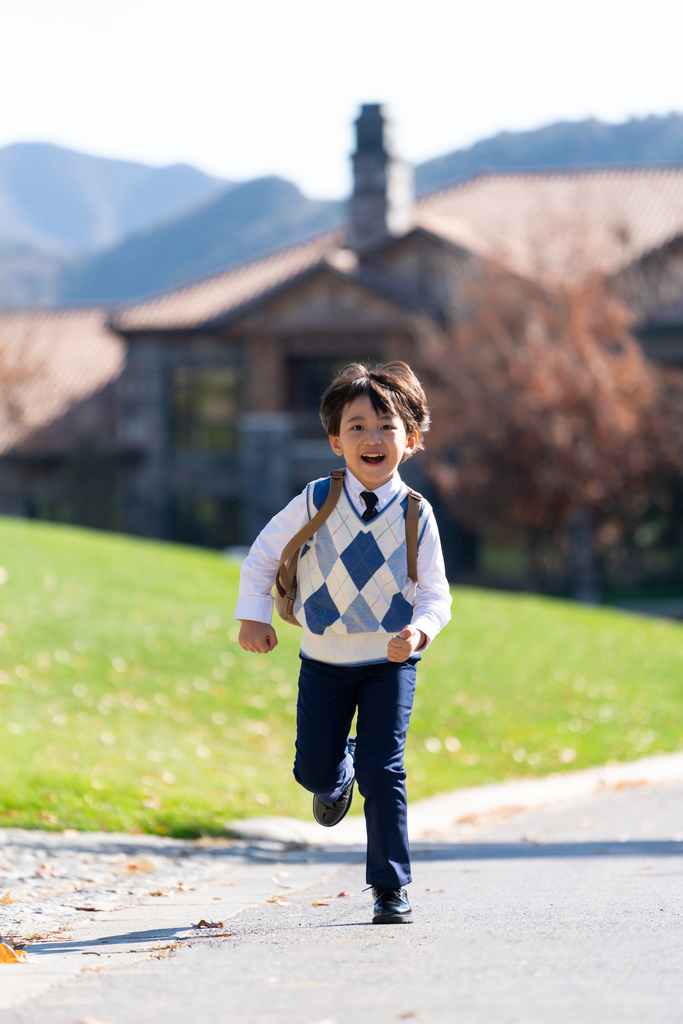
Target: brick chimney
column 382, row 200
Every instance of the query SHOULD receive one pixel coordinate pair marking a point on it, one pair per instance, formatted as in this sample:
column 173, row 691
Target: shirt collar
column 384, row 493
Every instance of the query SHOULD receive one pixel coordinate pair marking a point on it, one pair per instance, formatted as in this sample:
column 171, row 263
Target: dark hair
column 391, row 387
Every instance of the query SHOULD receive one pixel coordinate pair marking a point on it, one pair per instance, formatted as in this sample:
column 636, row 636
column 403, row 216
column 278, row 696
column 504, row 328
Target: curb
column 437, row 816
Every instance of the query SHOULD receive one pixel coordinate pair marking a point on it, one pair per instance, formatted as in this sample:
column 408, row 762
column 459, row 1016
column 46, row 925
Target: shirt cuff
column 426, row 624
column 257, row 609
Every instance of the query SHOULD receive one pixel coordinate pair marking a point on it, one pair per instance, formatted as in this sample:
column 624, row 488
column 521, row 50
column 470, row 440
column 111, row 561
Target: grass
column 126, row 702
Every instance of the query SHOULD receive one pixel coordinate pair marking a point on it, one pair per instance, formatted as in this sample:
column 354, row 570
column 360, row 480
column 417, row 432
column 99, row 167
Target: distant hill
column 246, row 220
column 647, row 140
column 69, row 203
column 80, row 228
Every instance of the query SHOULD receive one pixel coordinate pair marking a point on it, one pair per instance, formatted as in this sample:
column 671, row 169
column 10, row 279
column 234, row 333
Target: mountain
column 647, row 140
column 68, row 203
column 246, row 220
column 77, row 228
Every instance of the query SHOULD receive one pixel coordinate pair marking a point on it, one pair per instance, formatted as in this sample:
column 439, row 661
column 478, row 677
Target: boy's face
column 371, row 443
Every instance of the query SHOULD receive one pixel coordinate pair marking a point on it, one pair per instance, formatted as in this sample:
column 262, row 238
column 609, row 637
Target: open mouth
column 373, row 458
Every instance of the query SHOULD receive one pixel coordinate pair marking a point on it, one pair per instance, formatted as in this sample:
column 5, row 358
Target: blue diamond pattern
column 304, row 550
column 398, row 562
column 321, row 488
column 358, row 617
column 399, row 615
column 321, row 611
column 325, row 551
column 362, row 558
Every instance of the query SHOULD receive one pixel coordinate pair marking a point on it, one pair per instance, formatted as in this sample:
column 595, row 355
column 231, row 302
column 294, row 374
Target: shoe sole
column 393, row 919
column 331, row 824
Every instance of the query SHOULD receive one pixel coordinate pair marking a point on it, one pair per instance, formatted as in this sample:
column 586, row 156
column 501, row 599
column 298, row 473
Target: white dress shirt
column 431, row 609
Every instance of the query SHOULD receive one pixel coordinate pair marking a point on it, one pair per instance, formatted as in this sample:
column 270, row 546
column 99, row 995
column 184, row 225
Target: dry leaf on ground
column 142, row 864
column 208, row 924
column 319, row 903
column 92, row 908
column 7, row 898
column 278, row 899
column 9, row 955
column 435, row 890
column 159, row 892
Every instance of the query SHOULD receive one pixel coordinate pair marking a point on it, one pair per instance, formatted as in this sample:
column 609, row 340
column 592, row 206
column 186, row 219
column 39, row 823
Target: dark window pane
column 205, row 408
column 210, row 522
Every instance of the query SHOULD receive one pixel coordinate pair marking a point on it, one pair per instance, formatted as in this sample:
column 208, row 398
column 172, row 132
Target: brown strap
column 283, row 581
column 412, row 522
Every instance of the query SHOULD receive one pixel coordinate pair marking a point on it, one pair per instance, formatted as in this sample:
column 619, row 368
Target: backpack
column 286, row 578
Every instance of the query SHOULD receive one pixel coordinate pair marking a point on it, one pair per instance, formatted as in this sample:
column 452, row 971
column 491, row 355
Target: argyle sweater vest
column 353, row 589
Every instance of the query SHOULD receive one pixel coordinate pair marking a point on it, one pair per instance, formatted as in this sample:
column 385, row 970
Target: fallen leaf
column 340, row 895
column 142, row 864
column 7, row 898
column 92, row 908
column 208, row 924
column 278, row 899
column 222, row 935
column 319, row 903
column 159, row 892
column 435, row 890
column 9, row 955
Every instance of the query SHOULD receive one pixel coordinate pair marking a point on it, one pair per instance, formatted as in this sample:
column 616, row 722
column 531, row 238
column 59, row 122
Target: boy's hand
column 257, row 637
column 405, row 643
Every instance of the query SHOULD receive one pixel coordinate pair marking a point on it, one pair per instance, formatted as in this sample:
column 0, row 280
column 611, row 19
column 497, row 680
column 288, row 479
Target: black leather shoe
column 391, row 906
column 331, row 814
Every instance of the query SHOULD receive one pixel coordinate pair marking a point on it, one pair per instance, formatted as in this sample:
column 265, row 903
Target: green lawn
column 126, row 703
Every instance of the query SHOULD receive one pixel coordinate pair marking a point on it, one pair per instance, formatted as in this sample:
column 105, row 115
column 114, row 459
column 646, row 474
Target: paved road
column 573, row 914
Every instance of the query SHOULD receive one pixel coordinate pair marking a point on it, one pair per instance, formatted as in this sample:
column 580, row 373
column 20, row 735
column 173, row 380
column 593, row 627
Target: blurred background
column 206, row 211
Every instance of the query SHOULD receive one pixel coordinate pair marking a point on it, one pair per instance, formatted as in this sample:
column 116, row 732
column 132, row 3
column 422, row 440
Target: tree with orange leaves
column 544, row 407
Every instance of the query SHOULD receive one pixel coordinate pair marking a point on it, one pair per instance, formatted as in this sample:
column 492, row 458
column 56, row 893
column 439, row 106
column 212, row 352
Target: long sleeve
column 432, row 608
column 257, row 575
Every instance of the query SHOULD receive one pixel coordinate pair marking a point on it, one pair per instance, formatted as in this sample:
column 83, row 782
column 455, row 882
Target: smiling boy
column 365, row 622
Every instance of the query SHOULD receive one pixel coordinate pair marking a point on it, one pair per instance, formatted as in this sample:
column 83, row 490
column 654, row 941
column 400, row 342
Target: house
column 192, row 415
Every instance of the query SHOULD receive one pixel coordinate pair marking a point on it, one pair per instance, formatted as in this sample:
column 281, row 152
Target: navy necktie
column 370, row 499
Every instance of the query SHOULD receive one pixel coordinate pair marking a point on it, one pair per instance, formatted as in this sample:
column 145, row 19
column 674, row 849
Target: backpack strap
column 412, row 523
column 285, row 580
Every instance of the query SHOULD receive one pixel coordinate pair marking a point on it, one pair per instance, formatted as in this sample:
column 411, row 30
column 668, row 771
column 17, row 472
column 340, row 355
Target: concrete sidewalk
column 96, row 902
column 440, row 817
column 573, row 912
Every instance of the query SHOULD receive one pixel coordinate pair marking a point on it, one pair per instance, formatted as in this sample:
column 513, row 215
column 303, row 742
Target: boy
column 365, row 623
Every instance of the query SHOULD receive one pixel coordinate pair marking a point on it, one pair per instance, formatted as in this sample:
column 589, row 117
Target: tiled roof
column 64, row 356
column 558, row 222
column 193, row 304
column 539, row 223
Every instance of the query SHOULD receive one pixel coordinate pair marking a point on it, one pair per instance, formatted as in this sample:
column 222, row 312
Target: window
column 308, row 378
column 205, row 404
column 205, row 520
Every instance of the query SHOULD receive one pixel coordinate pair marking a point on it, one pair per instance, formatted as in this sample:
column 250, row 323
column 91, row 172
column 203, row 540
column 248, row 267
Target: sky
column 245, row 88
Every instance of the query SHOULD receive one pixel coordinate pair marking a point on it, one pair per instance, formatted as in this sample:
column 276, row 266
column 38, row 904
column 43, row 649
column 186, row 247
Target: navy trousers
column 383, row 694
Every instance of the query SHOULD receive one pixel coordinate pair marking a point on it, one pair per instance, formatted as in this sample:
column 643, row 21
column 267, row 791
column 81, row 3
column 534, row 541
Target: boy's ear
column 336, row 445
column 411, row 441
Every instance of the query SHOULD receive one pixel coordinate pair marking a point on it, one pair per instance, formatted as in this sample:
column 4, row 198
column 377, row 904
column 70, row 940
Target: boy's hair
column 391, row 387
